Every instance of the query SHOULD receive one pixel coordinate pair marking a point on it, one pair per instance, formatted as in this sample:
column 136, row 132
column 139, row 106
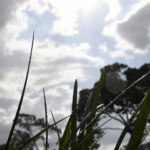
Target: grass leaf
column 93, row 111
column 98, row 138
column 12, row 145
column 137, row 134
column 98, row 129
column 66, row 135
column 21, row 99
column 146, row 132
column 85, row 117
column 127, row 126
column 56, row 126
column 46, row 146
column 74, row 117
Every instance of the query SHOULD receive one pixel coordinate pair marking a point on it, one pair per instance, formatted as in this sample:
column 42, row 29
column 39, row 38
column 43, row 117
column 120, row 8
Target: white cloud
column 83, row 47
column 115, row 8
column 53, row 64
column 13, row 19
column 39, row 6
column 64, row 27
column 58, row 100
column 16, row 19
column 103, row 47
column 132, row 33
column 66, row 12
column 119, row 53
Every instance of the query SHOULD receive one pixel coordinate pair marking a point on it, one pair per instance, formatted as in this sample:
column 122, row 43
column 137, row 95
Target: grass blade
column 87, row 111
column 46, row 146
column 66, row 135
column 98, row 138
column 146, row 132
column 37, row 135
column 137, row 134
column 85, row 116
column 98, row 128
column 74, row 117
column 127, row 127
column 93, row 111
column 21, row 99
column 91, row 132
column 12, row 145
column 56, row 127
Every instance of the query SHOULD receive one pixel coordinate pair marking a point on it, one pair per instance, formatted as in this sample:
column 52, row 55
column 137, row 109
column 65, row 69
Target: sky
column 74, row 39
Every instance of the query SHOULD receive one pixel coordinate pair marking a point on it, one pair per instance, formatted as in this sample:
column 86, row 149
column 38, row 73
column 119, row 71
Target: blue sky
column 73, row 40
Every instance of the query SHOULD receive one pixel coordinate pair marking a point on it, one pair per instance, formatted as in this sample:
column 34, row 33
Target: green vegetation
column 112, row 89
column 79, row 137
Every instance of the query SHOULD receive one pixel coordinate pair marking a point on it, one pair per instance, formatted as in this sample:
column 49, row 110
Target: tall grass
column 21, row 99
column 74, row 140
column 46, row 119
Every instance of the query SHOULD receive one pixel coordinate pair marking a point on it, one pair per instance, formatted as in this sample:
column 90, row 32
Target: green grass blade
column 86, row 115
column 74, row 117
column 87, row 110
column 86, row 143
column 78, row 146
column 37, row 135
column 127, row 126
column 56, row 127
column 12, row 145
column 46, row 146
column 21, row 99
column 82, row 126
column 146, row 132
column 66, row 135
column 98, row 138
column 97, row 129
column 137, row 134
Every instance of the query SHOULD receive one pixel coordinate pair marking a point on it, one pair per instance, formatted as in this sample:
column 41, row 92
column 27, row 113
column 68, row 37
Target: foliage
column 112, row 87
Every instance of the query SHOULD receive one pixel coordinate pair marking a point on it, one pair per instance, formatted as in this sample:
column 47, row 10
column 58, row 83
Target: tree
column 25, row 126
column 116, row 79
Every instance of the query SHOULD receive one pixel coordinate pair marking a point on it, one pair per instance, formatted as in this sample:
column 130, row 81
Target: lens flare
column 114, row 83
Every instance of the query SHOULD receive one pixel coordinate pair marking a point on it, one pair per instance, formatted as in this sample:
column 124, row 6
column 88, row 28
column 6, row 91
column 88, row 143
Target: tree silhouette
column 25, row 127
column 116, row 79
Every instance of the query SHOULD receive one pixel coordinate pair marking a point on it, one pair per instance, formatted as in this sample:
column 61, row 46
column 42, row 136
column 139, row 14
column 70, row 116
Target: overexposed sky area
column 74, row 39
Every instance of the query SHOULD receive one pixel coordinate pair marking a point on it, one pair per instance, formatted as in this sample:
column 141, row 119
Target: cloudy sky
column 73, row 40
